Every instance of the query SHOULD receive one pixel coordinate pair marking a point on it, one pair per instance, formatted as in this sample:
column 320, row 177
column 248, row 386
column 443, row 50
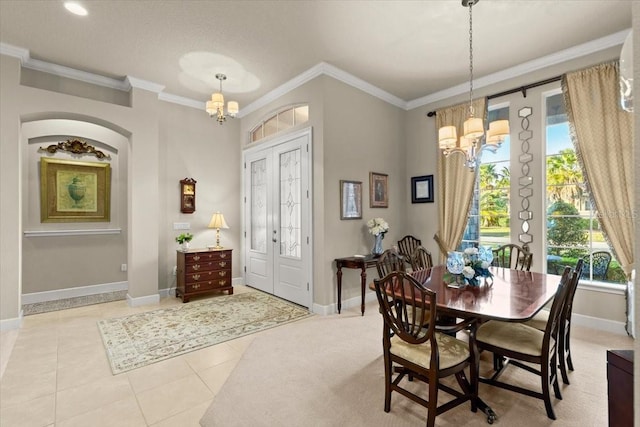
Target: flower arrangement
column 378, row 226
column 474, row 266
column 184, row 237
column 471, row 265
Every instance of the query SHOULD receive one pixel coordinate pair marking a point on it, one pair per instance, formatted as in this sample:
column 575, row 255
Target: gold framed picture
column 350, row 199
column 72, row 191
column 378, row 190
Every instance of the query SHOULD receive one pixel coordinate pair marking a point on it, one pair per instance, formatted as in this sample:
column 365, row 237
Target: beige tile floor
column 58, row 375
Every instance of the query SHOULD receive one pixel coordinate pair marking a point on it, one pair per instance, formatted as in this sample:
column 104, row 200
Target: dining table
column 509, row 296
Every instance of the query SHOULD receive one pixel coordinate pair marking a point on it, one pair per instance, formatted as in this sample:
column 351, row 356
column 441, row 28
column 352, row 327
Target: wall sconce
column 217, row 222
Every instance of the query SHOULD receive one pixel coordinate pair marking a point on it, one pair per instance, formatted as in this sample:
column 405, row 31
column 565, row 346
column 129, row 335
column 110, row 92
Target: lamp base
column 214, row 247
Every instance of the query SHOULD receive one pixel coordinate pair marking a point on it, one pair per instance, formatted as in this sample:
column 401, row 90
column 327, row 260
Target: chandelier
column 215, row 107
column 474, row 140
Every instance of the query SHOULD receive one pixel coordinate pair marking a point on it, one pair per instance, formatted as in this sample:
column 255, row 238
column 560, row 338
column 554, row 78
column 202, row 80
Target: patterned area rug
column 141, row 339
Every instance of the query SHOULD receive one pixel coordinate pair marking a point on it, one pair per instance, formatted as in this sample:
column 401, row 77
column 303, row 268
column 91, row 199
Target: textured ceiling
column 410, row 49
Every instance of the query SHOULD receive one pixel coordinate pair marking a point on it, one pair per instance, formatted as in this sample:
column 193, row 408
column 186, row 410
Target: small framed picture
column 350, row 199
column 378, row 190
column 422, row 189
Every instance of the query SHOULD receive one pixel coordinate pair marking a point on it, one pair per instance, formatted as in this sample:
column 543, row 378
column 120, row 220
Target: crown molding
column 322, row 68
column 137, row 83
column 615, row 39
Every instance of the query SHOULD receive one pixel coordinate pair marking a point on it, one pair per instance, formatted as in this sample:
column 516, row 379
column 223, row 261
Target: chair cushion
column 516, row 337
column 539, row 321
column 452, row 351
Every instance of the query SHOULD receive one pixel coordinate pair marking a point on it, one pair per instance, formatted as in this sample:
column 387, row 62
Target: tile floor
column 58, row 375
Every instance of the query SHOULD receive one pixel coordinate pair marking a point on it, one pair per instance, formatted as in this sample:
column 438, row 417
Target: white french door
column 278, row 218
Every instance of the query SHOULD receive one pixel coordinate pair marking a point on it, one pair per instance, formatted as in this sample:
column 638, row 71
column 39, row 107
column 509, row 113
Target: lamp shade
column 217, row 100
column 447, row 137
column 232, row 108
column 465, row 143
column 217, row 221
column 473, row 127
column 499, row 129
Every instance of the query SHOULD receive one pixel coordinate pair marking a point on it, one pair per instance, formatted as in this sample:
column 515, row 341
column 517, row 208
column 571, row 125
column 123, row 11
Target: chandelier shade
column 474, row 139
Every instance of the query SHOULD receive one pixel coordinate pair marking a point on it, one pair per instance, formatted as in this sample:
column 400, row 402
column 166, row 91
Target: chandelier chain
column 471, row 112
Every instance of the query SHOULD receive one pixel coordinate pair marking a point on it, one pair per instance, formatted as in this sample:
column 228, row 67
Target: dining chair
column 420, row 259
column 407, row 245
column 415, row 347
column 540, row 320
column 389, row 261
column 512, row 256
column 515, row 343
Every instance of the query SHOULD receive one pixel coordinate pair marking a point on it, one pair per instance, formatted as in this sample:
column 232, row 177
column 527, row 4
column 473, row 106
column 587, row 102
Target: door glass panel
column 290, row 215
column 259, row 205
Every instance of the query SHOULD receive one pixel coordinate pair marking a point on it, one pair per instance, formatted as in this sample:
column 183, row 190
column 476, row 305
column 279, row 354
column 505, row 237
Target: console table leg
column 339, row 274
column 363, row 276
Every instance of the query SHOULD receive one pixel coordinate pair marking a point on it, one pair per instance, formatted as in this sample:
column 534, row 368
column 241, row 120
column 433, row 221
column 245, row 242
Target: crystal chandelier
column 215, row 107
column 474, row 140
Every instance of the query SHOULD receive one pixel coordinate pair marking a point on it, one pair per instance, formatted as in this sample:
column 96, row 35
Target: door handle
column 273, row 239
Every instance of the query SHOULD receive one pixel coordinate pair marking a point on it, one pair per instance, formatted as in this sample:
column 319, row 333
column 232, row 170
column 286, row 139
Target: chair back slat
column 421, row 258
column 413, row 326
column 407, row 245
column 389, row 261
column 512, row 256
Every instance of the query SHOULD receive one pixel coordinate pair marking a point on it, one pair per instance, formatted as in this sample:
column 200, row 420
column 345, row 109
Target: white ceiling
column 410, row 49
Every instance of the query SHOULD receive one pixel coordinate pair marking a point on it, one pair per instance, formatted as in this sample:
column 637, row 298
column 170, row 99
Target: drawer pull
column 223, row 255
column 222, row 263
column 222, row 282
column 196, row 257
column 196, row 286
column 222, row 273
column 196, row 276
column 196, row 267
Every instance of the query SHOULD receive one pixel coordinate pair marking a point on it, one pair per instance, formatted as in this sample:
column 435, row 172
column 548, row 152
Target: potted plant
column 184, row 240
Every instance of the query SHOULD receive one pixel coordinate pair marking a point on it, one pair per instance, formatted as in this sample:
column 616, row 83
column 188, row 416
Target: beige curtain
column 455, row 181
column 602, row 134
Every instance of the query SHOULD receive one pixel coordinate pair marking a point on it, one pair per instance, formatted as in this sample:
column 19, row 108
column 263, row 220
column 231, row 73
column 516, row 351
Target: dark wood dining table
column 511, row 296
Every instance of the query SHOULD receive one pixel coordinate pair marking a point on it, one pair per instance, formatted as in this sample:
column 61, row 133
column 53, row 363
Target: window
column 573, row 229
column 488, row 223
column 280, row 121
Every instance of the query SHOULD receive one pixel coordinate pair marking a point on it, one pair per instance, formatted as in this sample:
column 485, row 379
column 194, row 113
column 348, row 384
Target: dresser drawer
column 207, row 275
column 207, row 266
column 208, row 285
column 202, row 257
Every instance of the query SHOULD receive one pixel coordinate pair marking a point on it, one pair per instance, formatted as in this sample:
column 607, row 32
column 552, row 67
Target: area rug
column 141, row 339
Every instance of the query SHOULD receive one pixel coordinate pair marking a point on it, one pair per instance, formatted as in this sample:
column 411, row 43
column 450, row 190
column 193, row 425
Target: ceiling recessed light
column 75, row 8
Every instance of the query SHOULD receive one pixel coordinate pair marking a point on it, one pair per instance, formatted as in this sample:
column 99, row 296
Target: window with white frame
column 282, row 120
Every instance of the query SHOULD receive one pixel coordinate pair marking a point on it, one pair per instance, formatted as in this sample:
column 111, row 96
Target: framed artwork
column 72, row 191
column 378, row 190
column 422, row 189
column 350, row 199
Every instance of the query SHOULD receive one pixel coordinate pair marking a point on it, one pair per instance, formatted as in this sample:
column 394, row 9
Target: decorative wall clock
column 188, row 195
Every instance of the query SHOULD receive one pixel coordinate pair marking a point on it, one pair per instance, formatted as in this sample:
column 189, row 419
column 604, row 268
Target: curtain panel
column 455, row 180
column 602, row 134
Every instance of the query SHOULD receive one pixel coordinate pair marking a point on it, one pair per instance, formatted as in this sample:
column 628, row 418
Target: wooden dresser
column 201, row 271
column 620, row 387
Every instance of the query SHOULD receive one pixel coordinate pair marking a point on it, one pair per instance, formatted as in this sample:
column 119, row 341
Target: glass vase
column 377, row 246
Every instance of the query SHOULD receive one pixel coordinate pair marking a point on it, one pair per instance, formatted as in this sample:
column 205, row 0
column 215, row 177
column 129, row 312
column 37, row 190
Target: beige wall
column 164, row 143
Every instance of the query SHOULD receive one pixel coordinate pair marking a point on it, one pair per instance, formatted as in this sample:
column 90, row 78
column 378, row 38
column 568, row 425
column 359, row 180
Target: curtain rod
column 522, row 89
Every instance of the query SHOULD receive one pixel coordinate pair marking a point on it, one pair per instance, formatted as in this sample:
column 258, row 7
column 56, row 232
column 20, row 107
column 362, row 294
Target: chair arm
column 464, row 324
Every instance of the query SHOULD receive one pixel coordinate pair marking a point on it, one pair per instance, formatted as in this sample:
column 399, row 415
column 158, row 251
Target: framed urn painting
column 350, row 199
column 378, row 190
column 72, row 191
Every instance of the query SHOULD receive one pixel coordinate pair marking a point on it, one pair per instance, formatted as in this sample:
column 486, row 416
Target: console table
column 361, row 263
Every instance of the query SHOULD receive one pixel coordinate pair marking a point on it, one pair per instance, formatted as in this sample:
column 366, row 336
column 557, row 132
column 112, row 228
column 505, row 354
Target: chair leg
column 567, row 348
column 388, row 369
column 562, row 355
column 553, row 372
column 433, row 401
column 544, row 375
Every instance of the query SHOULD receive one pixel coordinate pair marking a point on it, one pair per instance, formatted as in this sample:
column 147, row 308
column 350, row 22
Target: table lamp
column 217, row 222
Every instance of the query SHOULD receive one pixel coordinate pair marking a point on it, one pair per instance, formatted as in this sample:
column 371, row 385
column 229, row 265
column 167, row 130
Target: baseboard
column 10, row 324
column 80, row 291
column 146, row 300
column 598, row 323
column 332, row 308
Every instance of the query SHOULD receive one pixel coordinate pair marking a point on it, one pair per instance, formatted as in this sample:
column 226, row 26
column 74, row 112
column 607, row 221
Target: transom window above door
column 282, row 120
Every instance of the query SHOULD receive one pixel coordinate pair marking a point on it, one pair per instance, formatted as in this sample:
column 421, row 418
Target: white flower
column 471, row 251
column 468, row 272
column 485, row 264
column 377, row 226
